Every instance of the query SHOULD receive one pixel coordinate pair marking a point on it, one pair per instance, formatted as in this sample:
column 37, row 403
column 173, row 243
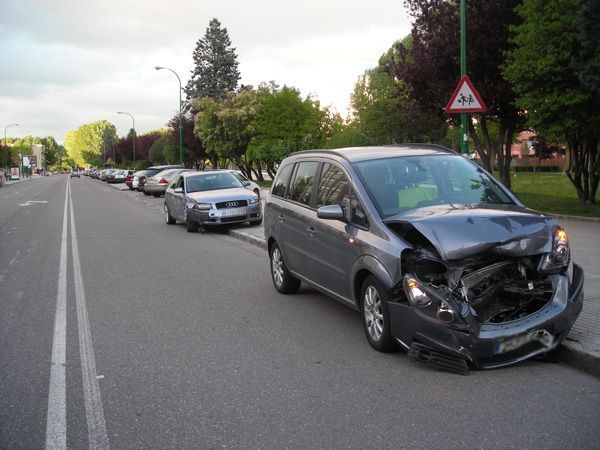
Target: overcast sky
column 64, row 63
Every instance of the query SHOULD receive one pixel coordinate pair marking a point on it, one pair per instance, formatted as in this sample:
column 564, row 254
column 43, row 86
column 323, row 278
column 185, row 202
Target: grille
column 231, row 204
column 231, row 219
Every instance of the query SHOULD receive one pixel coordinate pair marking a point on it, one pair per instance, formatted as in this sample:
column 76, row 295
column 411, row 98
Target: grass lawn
column 551, row 193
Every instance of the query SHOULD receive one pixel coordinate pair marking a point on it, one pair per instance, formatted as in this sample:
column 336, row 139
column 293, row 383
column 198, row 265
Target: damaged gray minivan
column 439, row 258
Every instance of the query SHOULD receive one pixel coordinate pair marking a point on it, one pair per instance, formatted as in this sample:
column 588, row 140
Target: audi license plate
column 234, row 212
column 541, row 336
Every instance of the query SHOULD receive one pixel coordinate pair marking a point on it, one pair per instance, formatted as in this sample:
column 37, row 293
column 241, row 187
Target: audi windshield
column 212, row 182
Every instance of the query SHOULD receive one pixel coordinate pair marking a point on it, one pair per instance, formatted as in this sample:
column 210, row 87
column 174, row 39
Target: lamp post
column 134, row 135
column 464, row 127
column 5, row 147
column 180, row 129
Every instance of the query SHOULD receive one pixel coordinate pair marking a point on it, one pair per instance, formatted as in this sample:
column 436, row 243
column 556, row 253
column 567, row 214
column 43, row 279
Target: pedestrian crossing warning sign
column 465, row 99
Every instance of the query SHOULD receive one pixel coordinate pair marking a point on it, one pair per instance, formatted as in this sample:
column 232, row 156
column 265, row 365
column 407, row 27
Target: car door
column 292, row 216
column 331, row 248
column 171, row 199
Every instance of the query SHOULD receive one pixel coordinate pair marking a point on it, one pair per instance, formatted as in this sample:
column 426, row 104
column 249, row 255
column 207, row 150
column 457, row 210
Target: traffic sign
column 465, row 99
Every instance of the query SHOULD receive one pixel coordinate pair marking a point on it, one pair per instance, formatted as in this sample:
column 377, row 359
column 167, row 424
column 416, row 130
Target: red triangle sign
column 465, row 99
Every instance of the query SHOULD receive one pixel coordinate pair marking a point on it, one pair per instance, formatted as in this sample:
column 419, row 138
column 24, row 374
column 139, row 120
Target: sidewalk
column 21, row 180
column 581, row 348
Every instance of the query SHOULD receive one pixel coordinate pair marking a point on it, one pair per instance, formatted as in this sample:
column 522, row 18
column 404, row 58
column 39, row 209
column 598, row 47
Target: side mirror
column 331, row 212
column 246, row 183
column 178, row 190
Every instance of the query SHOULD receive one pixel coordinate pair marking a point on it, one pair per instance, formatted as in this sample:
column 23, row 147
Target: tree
column 215, row 70
column 193, row 149
column 546, row 71
column 430, row 66
column 91, row 143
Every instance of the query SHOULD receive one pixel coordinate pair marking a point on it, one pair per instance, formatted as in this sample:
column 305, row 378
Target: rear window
column 304, row 179
column 282, row 181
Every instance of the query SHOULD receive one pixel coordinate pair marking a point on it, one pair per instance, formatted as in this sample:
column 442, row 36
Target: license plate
column 234, row 212
column 541, row 336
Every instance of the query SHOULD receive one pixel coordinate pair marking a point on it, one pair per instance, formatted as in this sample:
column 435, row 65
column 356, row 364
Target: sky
column 64, row 63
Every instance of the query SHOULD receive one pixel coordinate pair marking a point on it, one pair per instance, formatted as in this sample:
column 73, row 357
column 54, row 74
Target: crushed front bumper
column 491, row 345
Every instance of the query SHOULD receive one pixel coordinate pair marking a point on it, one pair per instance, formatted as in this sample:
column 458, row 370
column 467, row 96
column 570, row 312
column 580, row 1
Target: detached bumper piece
column 443, row 361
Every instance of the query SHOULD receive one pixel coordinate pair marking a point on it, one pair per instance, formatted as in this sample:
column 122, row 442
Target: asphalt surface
column 193, row 348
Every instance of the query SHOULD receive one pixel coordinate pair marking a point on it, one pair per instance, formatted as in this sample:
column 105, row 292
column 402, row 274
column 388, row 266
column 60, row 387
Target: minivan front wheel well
column 359, row 280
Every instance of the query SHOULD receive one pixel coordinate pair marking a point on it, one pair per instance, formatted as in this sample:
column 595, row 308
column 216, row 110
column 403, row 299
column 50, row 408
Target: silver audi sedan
column 210, row 198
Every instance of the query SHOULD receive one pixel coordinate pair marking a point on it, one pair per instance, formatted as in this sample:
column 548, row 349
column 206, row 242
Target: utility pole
column 464, row 127
column 134, row 135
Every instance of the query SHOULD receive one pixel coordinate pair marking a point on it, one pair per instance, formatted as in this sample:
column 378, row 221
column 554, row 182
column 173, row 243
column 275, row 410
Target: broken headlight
column 558, row 259
column 430, row 301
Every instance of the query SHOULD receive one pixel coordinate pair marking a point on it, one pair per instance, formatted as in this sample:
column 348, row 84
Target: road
column 176, row 340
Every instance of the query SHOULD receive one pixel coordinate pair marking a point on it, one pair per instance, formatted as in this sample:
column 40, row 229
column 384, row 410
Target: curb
column 119, row 186
column 573, row 354
column 250, row 238
column 579, row 218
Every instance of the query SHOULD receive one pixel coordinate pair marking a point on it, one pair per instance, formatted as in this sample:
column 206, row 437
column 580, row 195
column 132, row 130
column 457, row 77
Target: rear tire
column 283, row 280
column 157, row 194
column 169, row 219
column 375, row 315
column 191, row 226
column 256, row 222
column 146, row 193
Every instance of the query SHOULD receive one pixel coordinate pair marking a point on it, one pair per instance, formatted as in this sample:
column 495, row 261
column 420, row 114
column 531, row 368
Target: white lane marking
column 56, row 421
column 97, row 436
column 31, row 202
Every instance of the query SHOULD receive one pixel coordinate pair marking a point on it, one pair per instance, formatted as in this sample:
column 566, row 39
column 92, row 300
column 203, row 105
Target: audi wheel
column 375, row 315
column 283, row 280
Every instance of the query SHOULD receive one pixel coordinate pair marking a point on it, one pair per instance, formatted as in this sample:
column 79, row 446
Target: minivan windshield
column 403, row 183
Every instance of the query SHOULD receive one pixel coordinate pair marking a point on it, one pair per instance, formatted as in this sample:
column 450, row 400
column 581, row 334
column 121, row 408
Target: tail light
column 163, row 181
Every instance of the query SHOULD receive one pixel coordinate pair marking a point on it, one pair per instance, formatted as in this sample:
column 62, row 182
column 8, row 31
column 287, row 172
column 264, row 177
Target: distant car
column 121, row 175
column 135, row 179
column 75, row 173
column 210, row 198
column 105, row 174
column 251, row 186
column 150, row 171
column 157, row 184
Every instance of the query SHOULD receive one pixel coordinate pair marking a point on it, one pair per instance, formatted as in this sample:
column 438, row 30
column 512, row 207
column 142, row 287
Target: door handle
column 311, row 231
column 281, row 218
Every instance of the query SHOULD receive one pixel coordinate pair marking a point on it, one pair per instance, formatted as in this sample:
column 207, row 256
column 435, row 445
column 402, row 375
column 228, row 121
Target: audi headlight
column 558, row 259
column 253, row 201
column 202, row 206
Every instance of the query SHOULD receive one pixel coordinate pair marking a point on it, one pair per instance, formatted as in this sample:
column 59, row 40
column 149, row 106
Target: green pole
column 464, row 127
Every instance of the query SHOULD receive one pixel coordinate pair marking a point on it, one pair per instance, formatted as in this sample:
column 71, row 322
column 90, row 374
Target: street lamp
column 180, row 132
column 5, row 147
column 121, row 112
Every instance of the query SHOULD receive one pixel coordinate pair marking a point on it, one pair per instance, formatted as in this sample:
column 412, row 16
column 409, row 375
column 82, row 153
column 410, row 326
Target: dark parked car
column 439, row 258
column 210, row 198
column 149, row 172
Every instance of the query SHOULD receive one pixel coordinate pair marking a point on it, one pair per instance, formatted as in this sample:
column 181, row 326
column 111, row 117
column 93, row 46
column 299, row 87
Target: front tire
column 169, row 219
column 375, row 315
column 283, row 280
column 256, row 222
column 157, row 194
column 191, row 226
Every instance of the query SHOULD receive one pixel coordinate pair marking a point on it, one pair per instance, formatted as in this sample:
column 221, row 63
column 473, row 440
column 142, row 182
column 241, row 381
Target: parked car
column 249, row 184
column 437, row 256
column 135, row 179
column 121, row 175
column 151, row 171
column 157, row 184
column 106, row 174
column 210, row 198
column 75, row 174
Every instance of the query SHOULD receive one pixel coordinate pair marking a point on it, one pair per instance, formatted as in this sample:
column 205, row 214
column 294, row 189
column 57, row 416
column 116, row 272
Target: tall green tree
column 546, row 71
column 91, row 143
column 430, row 65
column 215, row 70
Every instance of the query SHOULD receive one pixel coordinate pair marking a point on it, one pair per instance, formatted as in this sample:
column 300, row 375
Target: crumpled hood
column 221, row 195
column 462, row 231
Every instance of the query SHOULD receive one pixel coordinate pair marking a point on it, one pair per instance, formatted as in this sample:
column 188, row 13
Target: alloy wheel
column 373, row 312
column 277, row 266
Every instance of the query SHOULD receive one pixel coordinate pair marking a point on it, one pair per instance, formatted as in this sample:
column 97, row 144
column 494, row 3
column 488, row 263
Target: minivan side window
column 282, row 181
column 303, row 182
column 334, row 189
